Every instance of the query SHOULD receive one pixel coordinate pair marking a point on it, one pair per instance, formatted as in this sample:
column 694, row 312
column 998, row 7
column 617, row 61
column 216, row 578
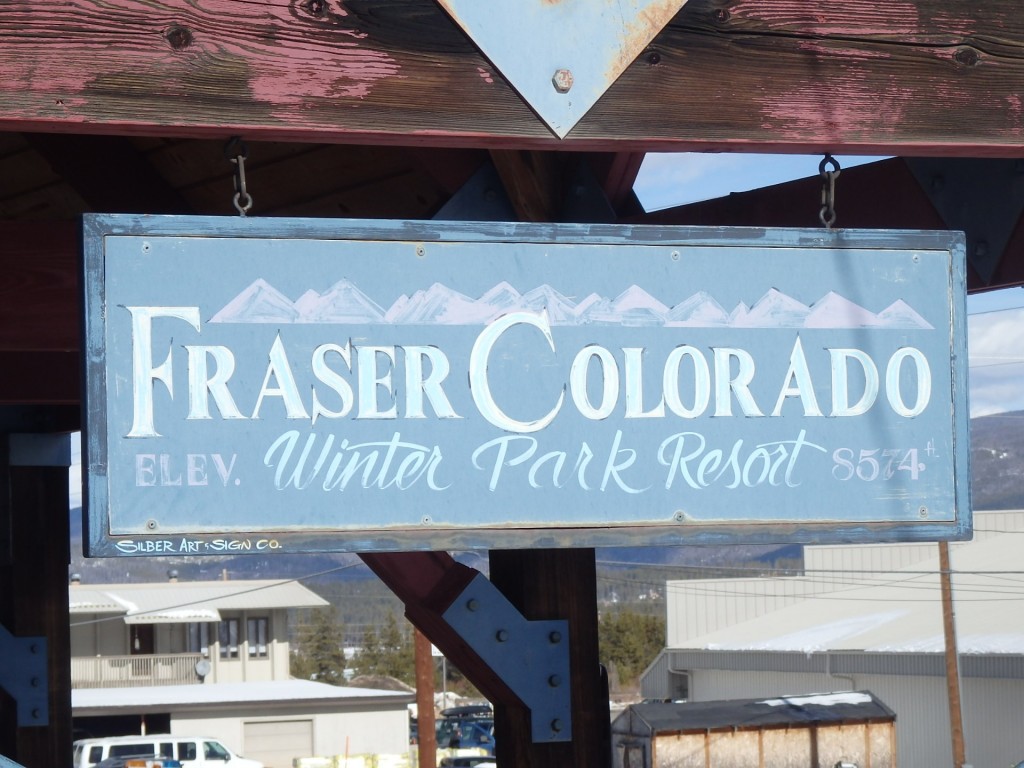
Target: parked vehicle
column 186, row 751
column 465, row 761
column 138, row 762
column 466, row 727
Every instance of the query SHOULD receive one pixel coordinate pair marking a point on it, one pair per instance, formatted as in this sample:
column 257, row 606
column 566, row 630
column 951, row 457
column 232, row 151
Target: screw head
column 554, row 681
column 472, row 604
column 555, row 637
column 562, row 80
column 556, row 725
column 501, row 635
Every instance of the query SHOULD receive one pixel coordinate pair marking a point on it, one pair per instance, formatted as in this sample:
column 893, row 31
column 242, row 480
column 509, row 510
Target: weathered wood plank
column 40, row 306
column 908, row 77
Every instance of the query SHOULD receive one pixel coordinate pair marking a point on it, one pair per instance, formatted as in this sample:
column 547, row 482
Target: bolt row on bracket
column 23, row 676
column 531, row 657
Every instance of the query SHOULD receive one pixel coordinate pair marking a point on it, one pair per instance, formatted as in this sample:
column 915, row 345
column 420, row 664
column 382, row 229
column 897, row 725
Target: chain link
column 827, row 214
column 236, row 152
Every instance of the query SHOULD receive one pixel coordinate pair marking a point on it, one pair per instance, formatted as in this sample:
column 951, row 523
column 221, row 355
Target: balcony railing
column 134, row 671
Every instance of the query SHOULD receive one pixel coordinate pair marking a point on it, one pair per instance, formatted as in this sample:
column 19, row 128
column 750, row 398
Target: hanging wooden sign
column 284, row 385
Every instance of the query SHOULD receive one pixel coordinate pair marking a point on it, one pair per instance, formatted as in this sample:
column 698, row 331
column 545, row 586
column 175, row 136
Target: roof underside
column 180, row 602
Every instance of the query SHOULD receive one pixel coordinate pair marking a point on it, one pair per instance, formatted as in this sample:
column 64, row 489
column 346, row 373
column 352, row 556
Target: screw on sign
column 562, row 80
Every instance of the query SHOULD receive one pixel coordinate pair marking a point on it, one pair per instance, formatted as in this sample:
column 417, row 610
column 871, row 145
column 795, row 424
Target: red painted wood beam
column 428, row 583
column 924, row 78
column 40, row 302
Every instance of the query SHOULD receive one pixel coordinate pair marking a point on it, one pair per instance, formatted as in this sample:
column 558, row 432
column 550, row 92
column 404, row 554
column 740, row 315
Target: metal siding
column 654, row 683
column 276, row 743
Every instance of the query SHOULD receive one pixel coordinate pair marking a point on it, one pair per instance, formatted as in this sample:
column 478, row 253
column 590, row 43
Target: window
column 199, row 638
column 229, row 638
column 130, row 750
column 257, row 636
column 212, row 750
column 679, row 685
column 186, row 750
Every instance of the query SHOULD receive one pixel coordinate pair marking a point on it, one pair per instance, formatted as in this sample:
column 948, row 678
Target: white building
column 212, row 659
column 867, row 618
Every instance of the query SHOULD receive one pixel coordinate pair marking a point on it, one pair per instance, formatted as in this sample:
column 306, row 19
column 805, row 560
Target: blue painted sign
column 308, row 385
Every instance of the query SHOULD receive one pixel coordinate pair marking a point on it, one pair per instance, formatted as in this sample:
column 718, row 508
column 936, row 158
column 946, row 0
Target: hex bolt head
column 472, row 604
column 562, row 80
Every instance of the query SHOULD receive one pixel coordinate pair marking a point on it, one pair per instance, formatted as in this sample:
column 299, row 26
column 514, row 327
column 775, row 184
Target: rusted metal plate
column 298, row 384
column 561, row 55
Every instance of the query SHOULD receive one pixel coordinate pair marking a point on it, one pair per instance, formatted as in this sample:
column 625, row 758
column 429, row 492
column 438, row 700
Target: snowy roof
column 145, row 698
column 803, row 710
column 180, row 602
column 897, row 612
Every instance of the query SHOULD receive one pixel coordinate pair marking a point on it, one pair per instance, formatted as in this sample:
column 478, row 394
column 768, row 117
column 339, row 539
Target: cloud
column 995, row 345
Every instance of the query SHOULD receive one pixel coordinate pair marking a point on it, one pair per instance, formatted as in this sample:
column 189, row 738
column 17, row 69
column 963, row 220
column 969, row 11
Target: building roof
column 88, row 701
column 180, row 602
column 804, row 710
column 897, row 611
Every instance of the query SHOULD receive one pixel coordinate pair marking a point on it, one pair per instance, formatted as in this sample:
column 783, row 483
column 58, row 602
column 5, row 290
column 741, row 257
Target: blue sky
column 995, row 318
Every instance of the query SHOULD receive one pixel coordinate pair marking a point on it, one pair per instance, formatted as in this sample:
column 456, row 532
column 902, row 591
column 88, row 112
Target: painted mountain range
column 345, row 303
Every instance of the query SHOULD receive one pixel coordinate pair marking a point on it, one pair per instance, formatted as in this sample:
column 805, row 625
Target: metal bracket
column 23, row 676
column 531, row 657
column 983, row 197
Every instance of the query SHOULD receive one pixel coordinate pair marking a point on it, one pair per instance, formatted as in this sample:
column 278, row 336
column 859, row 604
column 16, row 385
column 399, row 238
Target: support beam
column 108, row 174
column 34, row 594
column 931, row 77
column 547, row 584
column 517, row 663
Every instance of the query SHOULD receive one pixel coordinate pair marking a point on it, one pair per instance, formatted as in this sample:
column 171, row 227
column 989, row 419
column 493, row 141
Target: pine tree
column 321, row 655
column 630, row 641
column 389, row 652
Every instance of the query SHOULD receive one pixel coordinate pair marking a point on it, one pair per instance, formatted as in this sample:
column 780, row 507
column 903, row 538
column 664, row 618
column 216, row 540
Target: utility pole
column 426, row 737
column 956, row 725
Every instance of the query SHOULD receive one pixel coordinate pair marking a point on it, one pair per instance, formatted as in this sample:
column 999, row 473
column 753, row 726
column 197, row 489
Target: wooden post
column 34, row 601
column 556, row 584
column 427, row 740
column 956, row 725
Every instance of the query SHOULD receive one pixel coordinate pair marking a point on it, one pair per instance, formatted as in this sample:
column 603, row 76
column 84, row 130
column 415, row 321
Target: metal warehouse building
column 866, row 618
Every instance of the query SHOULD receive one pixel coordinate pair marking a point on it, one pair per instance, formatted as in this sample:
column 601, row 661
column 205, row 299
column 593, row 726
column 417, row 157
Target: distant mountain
column 345, row 303
column 342, row 303
column 899, row 314
column 835, row 311
column 700, row 310
column 773, row 310
column 997, row 461
column 259, row 303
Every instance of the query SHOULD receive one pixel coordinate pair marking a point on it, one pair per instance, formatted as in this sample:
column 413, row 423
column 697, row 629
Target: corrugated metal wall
column 696, row 607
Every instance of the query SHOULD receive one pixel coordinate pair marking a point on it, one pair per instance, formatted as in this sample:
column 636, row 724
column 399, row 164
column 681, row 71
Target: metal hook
column 827, row 214
column 236, row 152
